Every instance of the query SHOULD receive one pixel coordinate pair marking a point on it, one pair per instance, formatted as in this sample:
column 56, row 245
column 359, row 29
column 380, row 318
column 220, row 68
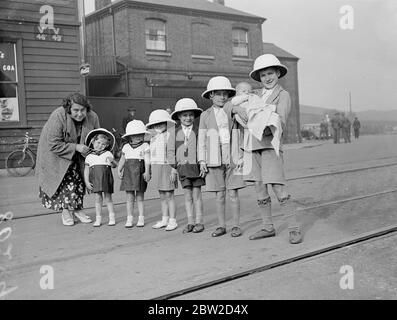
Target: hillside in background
column 311, row 114
column 372, row 121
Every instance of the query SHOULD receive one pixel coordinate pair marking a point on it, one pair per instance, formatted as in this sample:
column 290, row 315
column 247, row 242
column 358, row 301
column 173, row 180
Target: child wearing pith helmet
column 220, row 155
column 134, row 169
column 162, row 160
column 186, row 136
column 98, row 171
column 267, row 168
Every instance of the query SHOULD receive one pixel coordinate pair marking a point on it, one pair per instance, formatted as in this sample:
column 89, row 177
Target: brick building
column 171, row 48
column 39, row 64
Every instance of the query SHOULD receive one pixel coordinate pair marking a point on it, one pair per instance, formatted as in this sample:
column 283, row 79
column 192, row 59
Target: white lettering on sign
column 8, row 68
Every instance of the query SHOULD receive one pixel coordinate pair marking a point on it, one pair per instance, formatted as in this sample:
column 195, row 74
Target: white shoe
column 128, row 224
column 82, row 217
column 161, row 224
column 172, row 225
column 97, row 222
column 112, row 221
column 141, row 221
column 67, row 219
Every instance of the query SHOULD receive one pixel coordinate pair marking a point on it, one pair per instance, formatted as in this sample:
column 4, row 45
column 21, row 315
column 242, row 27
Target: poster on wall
column 9, row 110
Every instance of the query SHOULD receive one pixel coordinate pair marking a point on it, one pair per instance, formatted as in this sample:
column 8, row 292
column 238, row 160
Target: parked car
column 310, row 131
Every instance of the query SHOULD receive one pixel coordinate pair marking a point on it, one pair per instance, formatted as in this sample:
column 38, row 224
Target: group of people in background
column 237, row 141
column 341, row 128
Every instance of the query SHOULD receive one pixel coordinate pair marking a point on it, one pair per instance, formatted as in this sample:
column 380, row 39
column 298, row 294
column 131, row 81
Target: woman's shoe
column 141, row 221
column 98, row 222
column 82, row 217
column 67, row 219
column 220, row 231
column 129, row 224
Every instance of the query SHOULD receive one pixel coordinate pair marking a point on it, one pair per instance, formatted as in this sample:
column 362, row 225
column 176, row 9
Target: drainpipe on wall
column 81, row 14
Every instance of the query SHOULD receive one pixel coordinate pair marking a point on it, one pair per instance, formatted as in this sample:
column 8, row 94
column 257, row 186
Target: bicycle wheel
column 19, row 163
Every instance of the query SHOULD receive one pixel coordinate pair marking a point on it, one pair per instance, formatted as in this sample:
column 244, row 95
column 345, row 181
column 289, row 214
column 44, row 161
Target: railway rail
column 373, row 235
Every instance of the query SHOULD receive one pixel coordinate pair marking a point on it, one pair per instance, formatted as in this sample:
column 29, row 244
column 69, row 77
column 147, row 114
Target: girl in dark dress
column 98, row 172
column 134, row 169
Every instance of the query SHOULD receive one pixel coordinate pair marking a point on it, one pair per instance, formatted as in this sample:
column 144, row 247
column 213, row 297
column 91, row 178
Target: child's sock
column 172, row 225
column 112, row 221
column 266, row 213
column 98, row 221
column 141, row 221
column 130, row 219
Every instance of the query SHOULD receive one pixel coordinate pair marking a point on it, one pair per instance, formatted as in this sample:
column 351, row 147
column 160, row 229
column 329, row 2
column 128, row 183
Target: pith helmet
column 93, row 133
column 135, row 127
column 185, row 104
column 219, row 83
column 158, row 116
column 265, row 61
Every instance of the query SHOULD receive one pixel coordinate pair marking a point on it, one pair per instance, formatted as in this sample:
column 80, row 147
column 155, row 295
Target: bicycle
column 22, row 161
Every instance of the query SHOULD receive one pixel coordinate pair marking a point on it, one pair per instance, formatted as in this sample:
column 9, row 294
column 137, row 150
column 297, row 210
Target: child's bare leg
column 220, row 208
column 172, row 225
column 188, row 193
column 109, row 204
column 220, row 211
column 198, row 204
column 164, row 211
column 130, row 198
column 171, row 204
column 141, row 208
column 98, row 209
column 140, row 203
column 235, row 206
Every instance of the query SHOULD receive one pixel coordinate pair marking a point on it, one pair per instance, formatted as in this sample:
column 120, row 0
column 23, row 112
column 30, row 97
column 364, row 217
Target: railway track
column 369, row 236
column 322, row 174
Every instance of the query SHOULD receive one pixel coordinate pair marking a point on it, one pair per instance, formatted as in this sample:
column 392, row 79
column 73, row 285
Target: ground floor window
column 9, row 105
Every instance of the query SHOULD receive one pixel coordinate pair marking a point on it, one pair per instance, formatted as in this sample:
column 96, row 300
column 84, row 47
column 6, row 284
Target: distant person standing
column 336, row 126
column 131, row 116
column 324, row 129
column 356, row 127
column 346, row 124
column 169, row 110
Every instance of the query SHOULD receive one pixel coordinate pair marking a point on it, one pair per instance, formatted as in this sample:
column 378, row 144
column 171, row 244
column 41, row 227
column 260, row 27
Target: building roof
column 278, row 52
column 200, row 5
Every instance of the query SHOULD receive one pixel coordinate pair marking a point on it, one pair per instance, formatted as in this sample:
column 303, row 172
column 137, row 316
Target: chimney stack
column 221, row 2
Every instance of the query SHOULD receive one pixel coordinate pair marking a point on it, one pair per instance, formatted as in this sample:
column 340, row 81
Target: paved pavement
column 142, row 263
column 20, row 194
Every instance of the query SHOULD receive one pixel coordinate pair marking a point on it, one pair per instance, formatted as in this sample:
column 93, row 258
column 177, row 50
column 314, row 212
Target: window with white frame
column 9, row 107
column 155, row 35
column 240, row 42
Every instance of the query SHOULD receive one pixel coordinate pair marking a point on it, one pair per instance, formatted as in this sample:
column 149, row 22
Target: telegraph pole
column 350, row 102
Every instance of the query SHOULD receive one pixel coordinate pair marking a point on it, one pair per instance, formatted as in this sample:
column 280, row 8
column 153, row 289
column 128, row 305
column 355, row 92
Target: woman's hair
column 76, row 98
column 101, row 136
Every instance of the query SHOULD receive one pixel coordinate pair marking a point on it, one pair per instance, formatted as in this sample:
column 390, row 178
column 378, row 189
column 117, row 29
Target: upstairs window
column 240, row 43
column 155, row 35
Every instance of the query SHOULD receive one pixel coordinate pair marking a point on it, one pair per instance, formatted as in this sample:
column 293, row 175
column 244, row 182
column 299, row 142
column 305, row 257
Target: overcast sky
column 334, row 61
